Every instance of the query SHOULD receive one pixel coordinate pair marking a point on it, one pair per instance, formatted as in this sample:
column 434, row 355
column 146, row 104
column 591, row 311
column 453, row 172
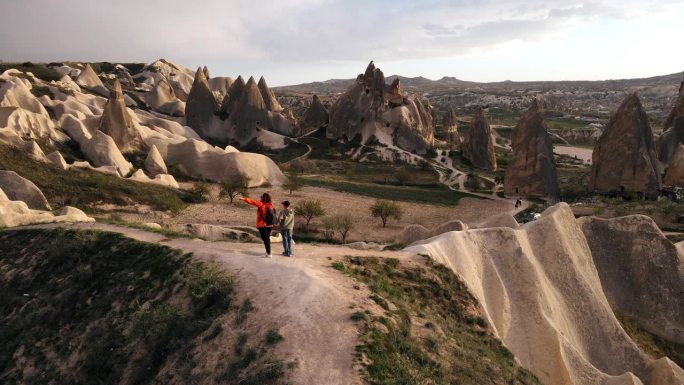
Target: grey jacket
column 286, row 219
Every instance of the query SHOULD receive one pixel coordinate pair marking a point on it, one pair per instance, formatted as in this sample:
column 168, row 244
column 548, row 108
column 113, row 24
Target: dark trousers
column 265, row 233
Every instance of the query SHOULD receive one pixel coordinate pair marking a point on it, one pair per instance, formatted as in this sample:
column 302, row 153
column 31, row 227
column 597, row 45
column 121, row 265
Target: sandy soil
column 579, row 152
column 469, row 210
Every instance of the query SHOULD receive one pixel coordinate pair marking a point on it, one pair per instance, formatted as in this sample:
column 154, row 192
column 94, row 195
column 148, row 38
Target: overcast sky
column 296, row 41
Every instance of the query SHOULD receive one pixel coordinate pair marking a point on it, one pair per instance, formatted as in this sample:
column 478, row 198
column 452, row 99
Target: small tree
column 308, row 209
column 293, row 182
column 237, row 185
column 385, row 210
column 338, row 224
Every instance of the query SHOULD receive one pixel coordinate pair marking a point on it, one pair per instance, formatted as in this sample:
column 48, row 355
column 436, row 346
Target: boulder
column 624, row 158
column 165, row 180
column 17, row 213
column 478, row 144
column 154, row 163
column 674, row 130
column 117, row 123
column 365, row 246
column 89, row 80
column 674, row 175
column 372, row 110
column 218, row 233
column 57, row 160
column 315, row 117
column 532, row 171
column 18, row 188
column 450, row 128
column 201, row 108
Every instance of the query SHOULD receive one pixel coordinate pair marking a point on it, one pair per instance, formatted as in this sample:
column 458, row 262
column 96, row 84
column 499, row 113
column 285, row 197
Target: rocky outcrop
column 478, row 144
column 624, row 158
column 641, row 272
column 674, row 174
column 249, row 113
column 98, row 147
column 117, row 123
column 201, row 160
column 414, row 233
column 450, row 129
column 231, row 98
column 674, row 130
column 543, row 295
column 89, row 80
column 57, row 160
column 532, row 170
column 179, row 77
column 269, row 98
column 220, row 86
column 370, row 109
column 18, row 188
column 154, row 163
column 201, row 108
column 315, row 117
column 17, row 213
column 163, row 99
column 165, row 180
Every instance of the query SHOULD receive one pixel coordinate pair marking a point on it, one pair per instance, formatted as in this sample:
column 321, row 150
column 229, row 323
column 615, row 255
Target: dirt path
column 304, row 297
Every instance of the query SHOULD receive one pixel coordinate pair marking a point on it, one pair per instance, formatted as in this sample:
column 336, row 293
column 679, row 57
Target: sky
column 298, row 41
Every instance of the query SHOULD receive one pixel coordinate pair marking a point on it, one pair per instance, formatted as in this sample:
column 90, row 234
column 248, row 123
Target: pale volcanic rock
column 674, row 175
column 27, row 124
column 315, row 117
column 478, row 144
column 57, row 160
column 165, row 180
column 232, row 96
column 89, row 80
column 18, row 188
column 540, row 292
column 372, row 109
column 414, row 233
column 624, row 158
column 532, row 170
column 179, row 77
column 154, row 163
column 450, row 128
column 269, row 98
column 117, row 122
column 674, row 130
column 201, row 108
column 16, row 93
column 641, row 272
column 220, row 85
column 98, row 147
column 17, row 213
column 201, row 160
column 163, row 99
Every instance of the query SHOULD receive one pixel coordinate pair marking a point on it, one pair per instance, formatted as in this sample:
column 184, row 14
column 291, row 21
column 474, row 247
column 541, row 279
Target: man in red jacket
column 265, row 219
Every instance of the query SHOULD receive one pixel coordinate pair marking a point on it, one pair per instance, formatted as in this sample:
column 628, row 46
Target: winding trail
column 304, row 297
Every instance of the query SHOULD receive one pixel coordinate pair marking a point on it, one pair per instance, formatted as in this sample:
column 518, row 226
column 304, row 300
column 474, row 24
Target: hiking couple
column 267, row 218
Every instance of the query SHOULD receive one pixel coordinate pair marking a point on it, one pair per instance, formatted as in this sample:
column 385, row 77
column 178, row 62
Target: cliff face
column 371, row 108
column 532, row 171
column 624, row 158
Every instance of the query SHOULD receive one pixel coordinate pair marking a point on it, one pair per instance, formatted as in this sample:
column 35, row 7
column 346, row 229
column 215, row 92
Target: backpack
column 270, row 217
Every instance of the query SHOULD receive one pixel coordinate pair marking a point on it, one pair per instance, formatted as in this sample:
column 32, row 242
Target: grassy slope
column 97, row 308
column 80, row 188
column 431, row 330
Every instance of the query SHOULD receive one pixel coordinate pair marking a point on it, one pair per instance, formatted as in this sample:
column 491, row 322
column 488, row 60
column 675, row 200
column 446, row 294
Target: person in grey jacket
column 286, row 221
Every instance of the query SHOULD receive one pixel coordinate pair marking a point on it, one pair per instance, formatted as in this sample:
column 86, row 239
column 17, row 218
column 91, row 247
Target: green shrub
column 309, row 209
column 237, row 185
column 209, row 286
column 385, row 210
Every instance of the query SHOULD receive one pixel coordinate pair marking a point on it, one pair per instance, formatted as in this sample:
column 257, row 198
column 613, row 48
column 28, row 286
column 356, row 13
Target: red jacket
column 262, row 207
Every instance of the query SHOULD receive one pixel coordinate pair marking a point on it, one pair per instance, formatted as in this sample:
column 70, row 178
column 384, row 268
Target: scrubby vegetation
column 430, row 330
column 653, row 345
column 39, row 70
column 79, row 187
column 386, row 210
column 97, row 308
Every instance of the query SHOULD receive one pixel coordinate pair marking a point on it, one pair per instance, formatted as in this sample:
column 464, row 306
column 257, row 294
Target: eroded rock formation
column 18, row 188
column 624, row 158
column 315, row 117
column 200, row 108
column 89, row 80
column 117, row 123
column 450, row 128
column 674, row 130
column 370, row 109
column 478, row 143
column 532, row 170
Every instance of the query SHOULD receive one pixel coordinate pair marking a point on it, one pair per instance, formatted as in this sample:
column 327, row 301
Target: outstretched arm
column 251, row 202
